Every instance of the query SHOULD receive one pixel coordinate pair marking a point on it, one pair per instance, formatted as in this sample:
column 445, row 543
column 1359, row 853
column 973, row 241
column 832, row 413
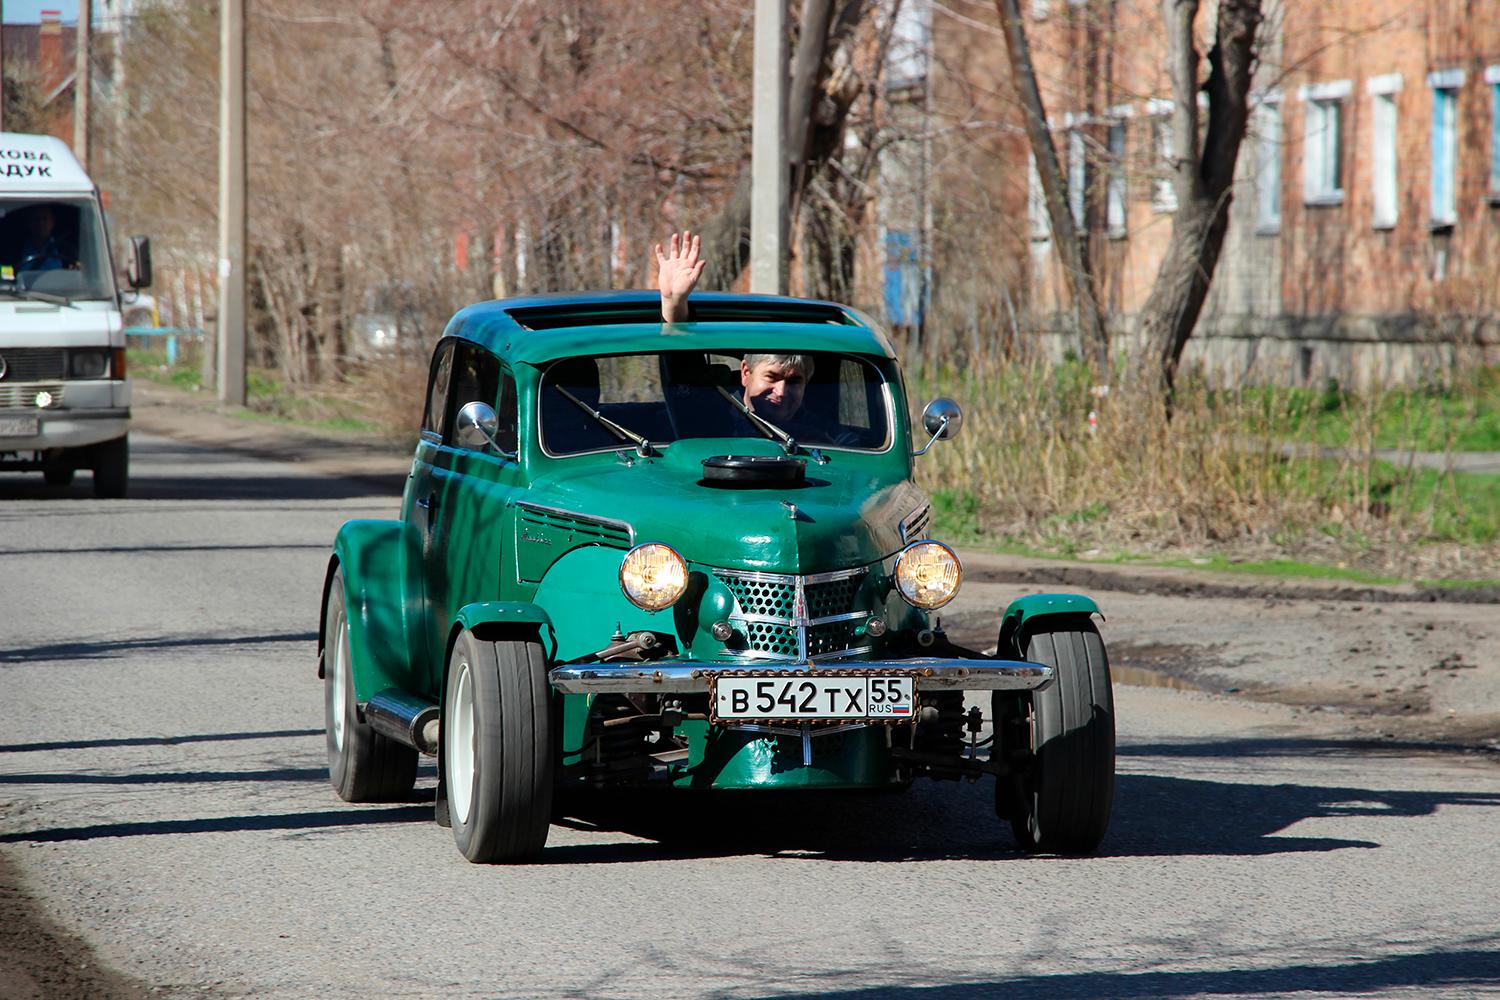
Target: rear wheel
column 111, row 464
column 1061, row 802
column 363, row 765
column 497, row 749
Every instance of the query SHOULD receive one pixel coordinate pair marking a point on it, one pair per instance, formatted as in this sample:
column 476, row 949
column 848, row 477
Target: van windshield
column 819, row 399
column 55, row 246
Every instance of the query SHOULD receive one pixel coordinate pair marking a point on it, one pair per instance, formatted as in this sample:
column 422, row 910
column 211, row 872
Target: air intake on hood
column 754, row 470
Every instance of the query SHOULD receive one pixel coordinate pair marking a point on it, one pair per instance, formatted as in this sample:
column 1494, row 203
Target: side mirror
column 477, row 426
column 139, row 274
column 942, row 418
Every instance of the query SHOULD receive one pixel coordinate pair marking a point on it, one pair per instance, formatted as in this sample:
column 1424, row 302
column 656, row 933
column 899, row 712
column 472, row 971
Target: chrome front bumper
column 932, row 674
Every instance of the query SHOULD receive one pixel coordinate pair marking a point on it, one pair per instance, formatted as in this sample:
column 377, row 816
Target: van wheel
column 111, row 468
column 1061, row 802
column 497, row 749
column 363, row 765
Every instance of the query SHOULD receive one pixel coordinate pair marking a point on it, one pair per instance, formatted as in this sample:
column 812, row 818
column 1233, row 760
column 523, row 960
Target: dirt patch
column 41, row 961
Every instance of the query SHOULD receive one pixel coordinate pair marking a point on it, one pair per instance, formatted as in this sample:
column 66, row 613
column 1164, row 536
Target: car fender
column 381, row 561
column 1023, row 612
column 499, row 619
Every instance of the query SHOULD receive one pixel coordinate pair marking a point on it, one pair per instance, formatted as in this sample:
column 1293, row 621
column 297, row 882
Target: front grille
column 796, row 617
column 23, row 397
column 31, row 364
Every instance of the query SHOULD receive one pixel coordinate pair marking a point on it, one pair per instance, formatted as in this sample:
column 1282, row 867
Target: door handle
column 429, row 502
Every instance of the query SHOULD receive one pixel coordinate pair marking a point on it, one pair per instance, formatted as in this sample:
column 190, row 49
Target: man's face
column 773, row 390
column 39, row 222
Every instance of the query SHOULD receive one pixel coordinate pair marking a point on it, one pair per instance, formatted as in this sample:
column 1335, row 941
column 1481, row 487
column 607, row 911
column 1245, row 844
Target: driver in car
column 773, row 384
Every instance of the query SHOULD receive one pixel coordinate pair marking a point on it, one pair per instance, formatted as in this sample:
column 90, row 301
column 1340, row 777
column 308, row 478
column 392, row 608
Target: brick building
column 39, row 61
column 1365, row 224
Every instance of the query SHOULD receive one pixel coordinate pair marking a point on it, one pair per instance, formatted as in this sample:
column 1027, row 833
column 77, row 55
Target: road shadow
column 166, row 470
column 330, row 819
column 1154, row 816
column 1458, row 972
column 156, row 741
column 108, row 649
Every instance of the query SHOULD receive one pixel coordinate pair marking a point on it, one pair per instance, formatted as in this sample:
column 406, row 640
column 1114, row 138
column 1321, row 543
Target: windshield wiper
column 27, row 293
column 643, row 447
column 770, row 430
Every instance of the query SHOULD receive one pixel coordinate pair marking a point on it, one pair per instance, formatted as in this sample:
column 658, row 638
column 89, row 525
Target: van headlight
column 653, row 576
column 928, row 574
column 88, row 364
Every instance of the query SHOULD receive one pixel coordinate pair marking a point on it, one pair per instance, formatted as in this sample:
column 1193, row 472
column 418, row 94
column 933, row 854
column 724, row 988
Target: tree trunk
column 726, row 236
column 1204, row 175
column 1072, row 250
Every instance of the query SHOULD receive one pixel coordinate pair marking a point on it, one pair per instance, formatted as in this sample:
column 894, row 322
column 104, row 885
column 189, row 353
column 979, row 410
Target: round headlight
column 927, row 574
column 653, row 575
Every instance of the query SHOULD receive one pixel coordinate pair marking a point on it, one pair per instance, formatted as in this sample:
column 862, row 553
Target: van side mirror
column 942, row 418
column 139, row 273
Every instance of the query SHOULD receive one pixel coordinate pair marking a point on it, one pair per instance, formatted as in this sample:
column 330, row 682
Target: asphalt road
column 163, row 796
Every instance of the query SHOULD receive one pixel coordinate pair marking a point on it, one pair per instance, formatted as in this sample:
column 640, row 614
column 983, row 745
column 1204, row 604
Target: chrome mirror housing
column 477, row 426
column 941, row 418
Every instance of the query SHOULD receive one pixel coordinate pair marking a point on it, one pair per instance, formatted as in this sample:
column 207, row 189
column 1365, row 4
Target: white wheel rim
column 458, row 732
column 336, row 707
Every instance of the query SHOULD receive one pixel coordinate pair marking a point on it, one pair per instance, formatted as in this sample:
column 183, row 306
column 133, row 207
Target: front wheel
column 363, row 765
column 497, row 749
column 1061, row 802
column 111, row 464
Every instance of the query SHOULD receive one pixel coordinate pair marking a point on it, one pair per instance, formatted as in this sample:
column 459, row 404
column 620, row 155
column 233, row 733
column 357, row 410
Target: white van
column 64, row 397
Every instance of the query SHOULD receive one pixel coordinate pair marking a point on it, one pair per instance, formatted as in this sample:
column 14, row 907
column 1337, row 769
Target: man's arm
column 677, row 271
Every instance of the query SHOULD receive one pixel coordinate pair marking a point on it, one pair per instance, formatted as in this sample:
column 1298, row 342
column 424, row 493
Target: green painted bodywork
column 534, row 543
column 1023, row 613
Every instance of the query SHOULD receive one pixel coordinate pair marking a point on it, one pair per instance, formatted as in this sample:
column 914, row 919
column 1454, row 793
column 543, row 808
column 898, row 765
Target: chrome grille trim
column 789, row 617
column 23, row 396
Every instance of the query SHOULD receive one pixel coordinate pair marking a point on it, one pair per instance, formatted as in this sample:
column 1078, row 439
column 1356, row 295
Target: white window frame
column 1039, row 225
column 1163, row 176
column 1443, row 193
column 1078, row 176
column 1385, row 192
column 1322, row 142
column 1268, row 146
column 1116, row 190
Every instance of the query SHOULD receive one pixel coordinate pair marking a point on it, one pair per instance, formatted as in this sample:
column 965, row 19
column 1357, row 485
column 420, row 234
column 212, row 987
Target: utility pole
column 231, row 321
column 768, row 157
column 83, row 38
column 2, row 65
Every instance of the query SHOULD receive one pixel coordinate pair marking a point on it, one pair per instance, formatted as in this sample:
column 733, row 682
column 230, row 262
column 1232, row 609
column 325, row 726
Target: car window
column 55, row 246
column 841, row 400
column 509, row 413
column 476, row 376
column 434, row 418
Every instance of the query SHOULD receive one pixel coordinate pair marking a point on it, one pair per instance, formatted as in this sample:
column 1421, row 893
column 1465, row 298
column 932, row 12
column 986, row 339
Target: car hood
column 846, row 514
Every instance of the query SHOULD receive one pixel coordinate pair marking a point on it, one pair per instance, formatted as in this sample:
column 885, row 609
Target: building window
column 1078, row 176
column 1322, row 149
column 1039, row 9
column 1036, row 202
column 1383, row 192
column 1492, row 77
column 1114, row 193
column 1267, row 123
column 1445, row 84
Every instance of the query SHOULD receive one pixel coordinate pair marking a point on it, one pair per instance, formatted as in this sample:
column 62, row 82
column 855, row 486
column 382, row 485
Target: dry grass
column 1234, row 472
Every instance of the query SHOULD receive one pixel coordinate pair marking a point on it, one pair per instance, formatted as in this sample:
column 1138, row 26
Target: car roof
column 540, row 328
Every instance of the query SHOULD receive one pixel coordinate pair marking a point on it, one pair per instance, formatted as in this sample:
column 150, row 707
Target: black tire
column 58, row 473
column 363, row 765
column 111, row 465
column 1061, row 803
column 497, row 749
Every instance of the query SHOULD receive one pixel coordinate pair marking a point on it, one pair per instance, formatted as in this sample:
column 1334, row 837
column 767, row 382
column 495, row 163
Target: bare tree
column 1203, row 173
column 1072, row 246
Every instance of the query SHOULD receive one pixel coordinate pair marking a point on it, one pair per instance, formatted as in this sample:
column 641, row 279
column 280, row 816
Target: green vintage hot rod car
column 610, row 570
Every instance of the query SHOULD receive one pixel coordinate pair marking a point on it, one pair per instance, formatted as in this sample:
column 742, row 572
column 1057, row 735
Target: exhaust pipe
column 404, row 718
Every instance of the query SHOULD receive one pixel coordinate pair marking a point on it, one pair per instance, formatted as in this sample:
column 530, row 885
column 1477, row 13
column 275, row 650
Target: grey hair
column 801, row 362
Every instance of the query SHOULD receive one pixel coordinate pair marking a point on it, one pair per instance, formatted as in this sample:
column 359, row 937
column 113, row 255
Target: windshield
column 819, row 399
column 54, row 246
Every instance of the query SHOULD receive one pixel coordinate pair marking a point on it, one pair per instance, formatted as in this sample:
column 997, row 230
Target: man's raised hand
column 677, row 271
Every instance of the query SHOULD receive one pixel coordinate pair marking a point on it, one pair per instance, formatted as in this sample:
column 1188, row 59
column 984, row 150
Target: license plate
column 803, row 698
column 19, row 426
